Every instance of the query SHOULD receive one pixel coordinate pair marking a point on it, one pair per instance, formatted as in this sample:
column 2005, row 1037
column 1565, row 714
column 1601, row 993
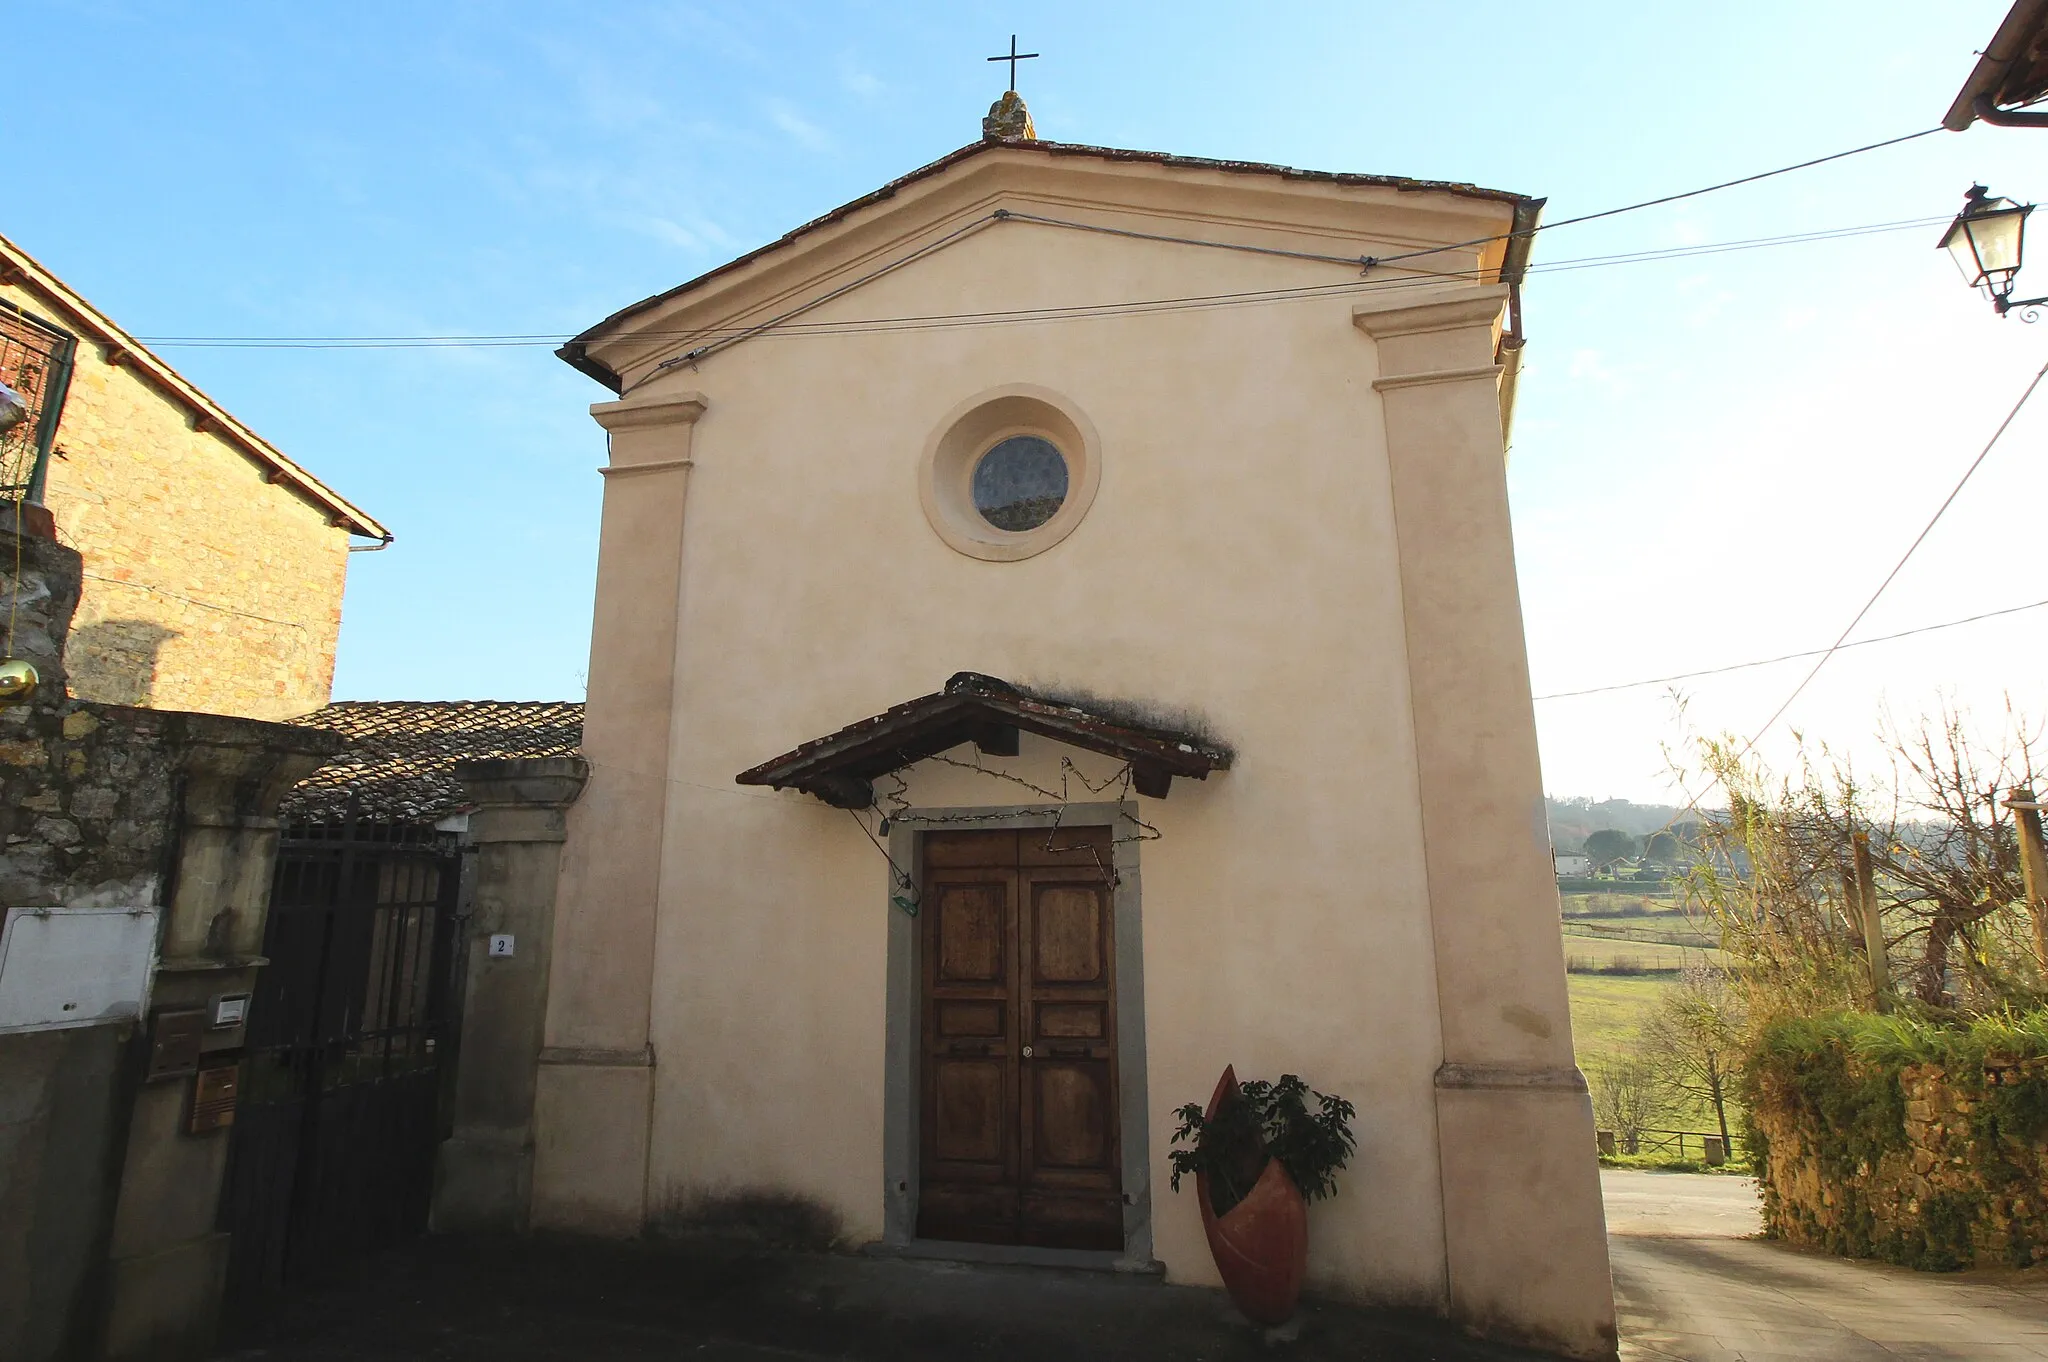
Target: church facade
column 1057, row 635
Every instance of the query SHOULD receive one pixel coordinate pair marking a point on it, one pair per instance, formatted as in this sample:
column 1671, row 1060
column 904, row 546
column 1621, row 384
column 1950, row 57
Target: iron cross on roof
column 1013, row 57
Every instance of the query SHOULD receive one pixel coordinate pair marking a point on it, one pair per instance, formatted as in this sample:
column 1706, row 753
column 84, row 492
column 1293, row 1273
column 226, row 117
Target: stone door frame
column 900, row 1080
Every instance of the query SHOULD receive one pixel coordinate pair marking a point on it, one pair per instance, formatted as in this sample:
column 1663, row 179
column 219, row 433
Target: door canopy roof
column 839, row 768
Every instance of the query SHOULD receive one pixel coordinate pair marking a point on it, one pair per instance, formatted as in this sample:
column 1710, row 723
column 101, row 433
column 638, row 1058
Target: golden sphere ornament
column 18, row 681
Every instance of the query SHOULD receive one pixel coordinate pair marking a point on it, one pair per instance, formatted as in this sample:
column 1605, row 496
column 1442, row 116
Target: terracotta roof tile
column 400, row 762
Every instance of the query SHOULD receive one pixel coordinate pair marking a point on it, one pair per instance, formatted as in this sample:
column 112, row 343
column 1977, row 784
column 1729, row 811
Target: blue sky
column 1716, row 456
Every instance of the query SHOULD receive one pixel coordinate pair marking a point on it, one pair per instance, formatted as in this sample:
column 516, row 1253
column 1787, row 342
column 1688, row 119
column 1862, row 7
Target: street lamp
column 1986, row 241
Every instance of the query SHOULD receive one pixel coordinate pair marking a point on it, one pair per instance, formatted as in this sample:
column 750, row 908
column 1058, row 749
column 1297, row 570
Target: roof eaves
column 2024, row 32
column 345, row 512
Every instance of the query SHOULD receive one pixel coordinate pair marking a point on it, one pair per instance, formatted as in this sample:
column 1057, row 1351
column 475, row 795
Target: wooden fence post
column 1873, row 926
column 2033, row 865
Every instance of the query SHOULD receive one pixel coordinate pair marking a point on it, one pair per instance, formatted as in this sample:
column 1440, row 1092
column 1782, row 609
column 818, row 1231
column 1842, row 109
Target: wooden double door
column 1019, row 1131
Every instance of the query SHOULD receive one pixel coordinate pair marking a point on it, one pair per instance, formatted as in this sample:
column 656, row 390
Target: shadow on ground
column 452, row 1299
column 1695, row 1282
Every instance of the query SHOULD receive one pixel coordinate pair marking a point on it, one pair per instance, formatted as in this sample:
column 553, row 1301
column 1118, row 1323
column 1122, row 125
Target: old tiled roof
column 988, row 712
column 400, row 762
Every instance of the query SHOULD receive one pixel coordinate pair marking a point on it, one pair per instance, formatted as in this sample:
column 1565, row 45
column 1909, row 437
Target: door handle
column 1027, row 1052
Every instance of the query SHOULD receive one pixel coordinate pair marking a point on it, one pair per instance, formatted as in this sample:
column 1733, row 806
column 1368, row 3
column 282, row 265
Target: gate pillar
column 167, row 1257
column 483, row 1180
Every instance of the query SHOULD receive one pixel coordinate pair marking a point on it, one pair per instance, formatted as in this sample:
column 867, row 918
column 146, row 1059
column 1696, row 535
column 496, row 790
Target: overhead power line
column 1790, row 657
column 930, row 321
column 1897, row 567
column 1673, row 198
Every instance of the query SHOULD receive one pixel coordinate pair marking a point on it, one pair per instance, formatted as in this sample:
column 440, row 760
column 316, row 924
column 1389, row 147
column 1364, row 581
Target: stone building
column 214, row 564
column 134, row 887
column 1190, row 474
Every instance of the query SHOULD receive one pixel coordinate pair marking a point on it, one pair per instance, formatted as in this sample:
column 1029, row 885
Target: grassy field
column 1608, row 1010
column 1606, row 931
column 1594, row 954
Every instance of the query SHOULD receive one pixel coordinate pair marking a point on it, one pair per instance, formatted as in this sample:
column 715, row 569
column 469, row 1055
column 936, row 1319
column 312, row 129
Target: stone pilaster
column 484, row 1175
column 596, row 1076
column 1525, row 1236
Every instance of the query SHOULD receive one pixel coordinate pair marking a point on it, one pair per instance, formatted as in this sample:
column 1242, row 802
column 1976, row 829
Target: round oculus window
column 1020, row 483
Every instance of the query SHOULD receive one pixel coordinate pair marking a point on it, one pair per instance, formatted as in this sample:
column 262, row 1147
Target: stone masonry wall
column 87, row 792
column 1967, row 1184
column 206, row 588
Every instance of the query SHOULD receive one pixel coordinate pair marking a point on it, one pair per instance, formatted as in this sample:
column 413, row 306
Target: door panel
column 1072, row 1130
column 973, row 927
column 970, row 1019
column 1060, row 1021
column 996, row 850
column 1072, row 1195
column 1019, row 955
column 967, row 1111
column 1066, row 935
column 968, row 1107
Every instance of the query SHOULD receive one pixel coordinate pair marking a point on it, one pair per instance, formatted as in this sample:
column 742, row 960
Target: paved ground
column 1688, row 1286
column 541, row 1300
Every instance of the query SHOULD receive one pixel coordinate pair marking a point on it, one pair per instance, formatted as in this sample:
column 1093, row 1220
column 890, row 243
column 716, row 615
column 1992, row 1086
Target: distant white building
column 1568, row 866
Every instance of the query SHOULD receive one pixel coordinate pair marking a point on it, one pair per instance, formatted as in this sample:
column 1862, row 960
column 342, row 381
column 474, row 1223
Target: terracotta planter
column 1261, row 1244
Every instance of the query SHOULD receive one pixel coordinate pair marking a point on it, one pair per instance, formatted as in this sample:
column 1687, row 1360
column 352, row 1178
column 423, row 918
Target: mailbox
column 174, row 1038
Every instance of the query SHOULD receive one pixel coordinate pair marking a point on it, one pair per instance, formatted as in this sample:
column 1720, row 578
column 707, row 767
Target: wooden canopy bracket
column 997, row 740
column 1150, row 781
column 843, row 791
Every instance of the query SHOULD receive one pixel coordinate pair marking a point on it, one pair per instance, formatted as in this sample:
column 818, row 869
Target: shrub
column 1265, row 1120
column 1839, row 1083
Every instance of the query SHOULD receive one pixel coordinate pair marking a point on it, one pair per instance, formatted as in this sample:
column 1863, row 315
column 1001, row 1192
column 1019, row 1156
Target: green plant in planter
column 1268, row 1119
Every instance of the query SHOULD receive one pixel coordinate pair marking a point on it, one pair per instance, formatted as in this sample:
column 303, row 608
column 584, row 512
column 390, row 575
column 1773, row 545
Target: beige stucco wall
column 206, row 588
column 1242, row 559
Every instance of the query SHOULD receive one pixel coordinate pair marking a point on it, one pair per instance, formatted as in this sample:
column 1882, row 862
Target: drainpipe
column 1514, row 264
column 1988, row 112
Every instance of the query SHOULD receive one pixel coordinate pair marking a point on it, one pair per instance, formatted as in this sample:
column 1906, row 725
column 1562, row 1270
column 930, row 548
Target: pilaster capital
column 1386, row 317
column 1443, row 337
column 680, row 409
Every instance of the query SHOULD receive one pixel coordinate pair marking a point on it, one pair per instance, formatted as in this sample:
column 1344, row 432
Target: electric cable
column 1366, row 261
column 1897, row 567
column 1672, row 198
column 932, row 321
column 1789, row 657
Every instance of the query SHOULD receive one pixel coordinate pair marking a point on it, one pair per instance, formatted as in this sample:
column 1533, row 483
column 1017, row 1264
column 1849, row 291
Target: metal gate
column 340, row 1114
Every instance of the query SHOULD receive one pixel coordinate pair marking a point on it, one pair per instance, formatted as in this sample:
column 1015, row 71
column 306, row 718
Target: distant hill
column 1573, row 818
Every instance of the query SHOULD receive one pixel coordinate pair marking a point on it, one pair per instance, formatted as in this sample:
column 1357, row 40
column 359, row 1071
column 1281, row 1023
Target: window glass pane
column 1020, row 483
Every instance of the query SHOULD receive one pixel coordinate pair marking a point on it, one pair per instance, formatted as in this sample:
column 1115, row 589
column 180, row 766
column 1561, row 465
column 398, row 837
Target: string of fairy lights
column 894, row 805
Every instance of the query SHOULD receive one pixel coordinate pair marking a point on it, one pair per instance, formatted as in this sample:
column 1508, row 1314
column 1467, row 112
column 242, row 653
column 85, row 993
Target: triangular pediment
column 1348, row 220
